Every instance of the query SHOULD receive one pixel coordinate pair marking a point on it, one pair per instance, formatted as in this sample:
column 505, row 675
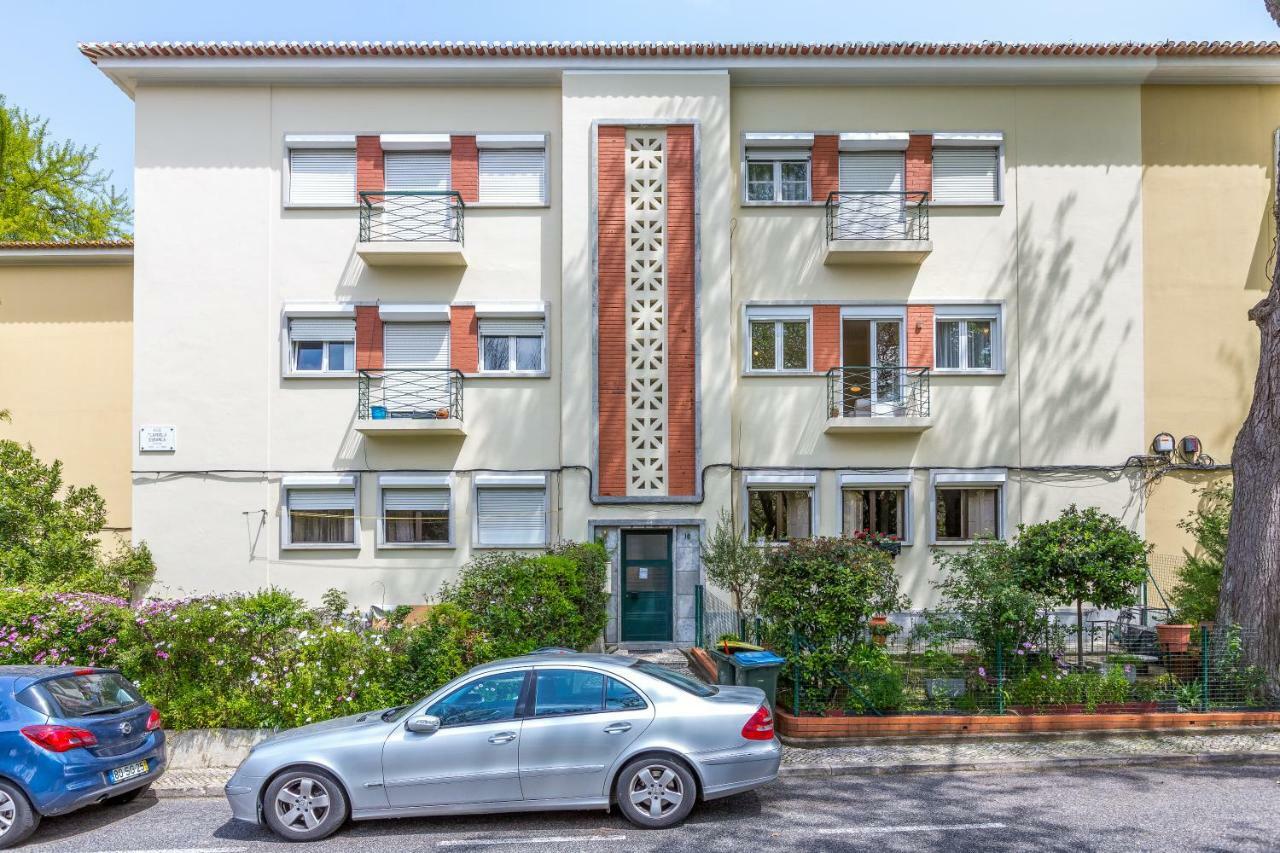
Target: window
column 966, row 174
column 620, row 697
column 778, row 176
column 778, row 514
column 779, row 344
column 966, row 514
column 322, row 176
column 880, row 510
column 511, row 511
column 416, row 345
column 320, row 516
column 513, row 176
column 967, row 337
column 416, row 170
column 568, row 691
column 415, row 514
column 512, row 346
column 492, row 699
column 322, row 345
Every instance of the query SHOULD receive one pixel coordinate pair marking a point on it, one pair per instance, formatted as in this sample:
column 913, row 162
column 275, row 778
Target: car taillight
column 59, row 738
column 760, row 726
column 153, row 720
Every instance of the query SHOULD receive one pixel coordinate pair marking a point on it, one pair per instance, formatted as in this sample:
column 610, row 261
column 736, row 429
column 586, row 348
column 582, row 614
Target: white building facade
column 400, row 306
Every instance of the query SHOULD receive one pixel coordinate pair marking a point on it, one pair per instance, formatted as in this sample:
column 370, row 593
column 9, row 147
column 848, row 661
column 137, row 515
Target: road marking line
column 180, row 850
column 550, row 839
column 876, row 830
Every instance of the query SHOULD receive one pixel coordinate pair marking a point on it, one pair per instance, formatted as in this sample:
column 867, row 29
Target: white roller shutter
column 872, row 171
column 432, row 500
column 511, row 516
column 513, row 175
column 322, row 176
column 966, row 174
column 335, row 329
column 322, row 499
column 505, row 328
column 416, row 345
column 416, row 170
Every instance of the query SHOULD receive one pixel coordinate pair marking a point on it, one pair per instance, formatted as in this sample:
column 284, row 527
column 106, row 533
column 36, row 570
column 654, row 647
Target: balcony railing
column 411, row 216
column 858, row 391
column 878, row 216
column 410, row 393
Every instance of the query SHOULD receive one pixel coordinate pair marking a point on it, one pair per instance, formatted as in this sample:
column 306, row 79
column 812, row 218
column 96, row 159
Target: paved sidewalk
column 992, row 755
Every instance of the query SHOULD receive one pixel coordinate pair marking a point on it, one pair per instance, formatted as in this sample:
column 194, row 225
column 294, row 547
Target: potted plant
column 880, row 628
column 1174, row 637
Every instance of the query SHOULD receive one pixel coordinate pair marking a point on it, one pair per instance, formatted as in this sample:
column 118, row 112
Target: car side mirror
column 423, row 725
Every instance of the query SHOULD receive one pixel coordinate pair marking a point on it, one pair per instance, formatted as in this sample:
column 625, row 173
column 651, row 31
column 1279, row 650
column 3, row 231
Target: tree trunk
column 1080, row 635
column 1250, row 595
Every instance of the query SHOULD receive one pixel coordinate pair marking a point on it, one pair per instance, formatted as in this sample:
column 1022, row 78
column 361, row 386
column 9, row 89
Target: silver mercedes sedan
column 540, row 732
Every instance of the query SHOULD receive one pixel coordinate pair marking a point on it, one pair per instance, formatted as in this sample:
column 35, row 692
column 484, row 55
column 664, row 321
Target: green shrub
column 1195, row 594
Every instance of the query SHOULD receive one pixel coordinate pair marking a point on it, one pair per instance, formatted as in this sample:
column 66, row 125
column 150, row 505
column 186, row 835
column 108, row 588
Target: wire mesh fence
column 717, row 620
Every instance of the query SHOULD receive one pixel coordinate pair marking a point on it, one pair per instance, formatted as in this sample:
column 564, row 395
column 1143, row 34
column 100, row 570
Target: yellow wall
column 66, row 349
column 1207, row 231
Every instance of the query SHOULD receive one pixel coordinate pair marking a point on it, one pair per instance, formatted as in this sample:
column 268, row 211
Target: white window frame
column 777, row 315
column 900, row 480
column 777, row 148
column 516, row 140
column 498, row 481
column 971, row 139
column 963, row 313
column 779, row 481
column 310, row 142
column 415, row 481
column 989, row 478
column 308, row 311
column 337, row 482
column 512, row 311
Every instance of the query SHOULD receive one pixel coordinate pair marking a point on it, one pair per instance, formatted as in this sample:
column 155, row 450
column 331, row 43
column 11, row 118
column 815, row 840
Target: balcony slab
column 878, row 424
column 408, row 427
column 847, row 252
column 405, row 253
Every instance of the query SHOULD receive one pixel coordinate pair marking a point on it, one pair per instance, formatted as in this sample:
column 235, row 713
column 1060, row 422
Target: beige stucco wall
column 66, row 350
column 1207, row 231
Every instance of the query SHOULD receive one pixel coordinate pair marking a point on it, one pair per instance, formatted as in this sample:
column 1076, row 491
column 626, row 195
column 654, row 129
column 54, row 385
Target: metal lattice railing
column 860, row 391
column 716, row 619
column 411, row 216
column 409, row 393
column 878, row 216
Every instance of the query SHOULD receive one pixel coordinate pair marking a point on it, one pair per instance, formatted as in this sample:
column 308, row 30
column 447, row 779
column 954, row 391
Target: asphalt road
column 1218, row 807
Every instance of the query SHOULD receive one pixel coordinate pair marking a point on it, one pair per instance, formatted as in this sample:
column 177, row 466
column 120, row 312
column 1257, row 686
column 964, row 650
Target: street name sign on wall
column 157, row 439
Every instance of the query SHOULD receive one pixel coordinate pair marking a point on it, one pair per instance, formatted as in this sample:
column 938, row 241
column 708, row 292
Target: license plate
column 129, row 771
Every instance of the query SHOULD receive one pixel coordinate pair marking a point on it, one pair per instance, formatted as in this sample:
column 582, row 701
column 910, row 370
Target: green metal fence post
column 758, row 632
column 795, row 675
column 1204, row 669
column 1000, row 675
column 697, row 616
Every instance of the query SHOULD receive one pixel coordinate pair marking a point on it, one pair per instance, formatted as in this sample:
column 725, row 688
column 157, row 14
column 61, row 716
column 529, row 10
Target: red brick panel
column 368, row 338
column 920, row 163
column 369, row 165
column 826, row 337
column 611, row 310
column 920, row 336
column 464, row 340
column 682, row 411
column 464, row 167
column 824, row 171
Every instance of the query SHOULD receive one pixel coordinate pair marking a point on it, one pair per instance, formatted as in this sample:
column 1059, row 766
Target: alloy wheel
column 8, row 812
column 302, row 804
column 656, row 791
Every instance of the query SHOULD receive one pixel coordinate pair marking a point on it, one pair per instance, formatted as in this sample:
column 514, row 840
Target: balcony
column 877, row 228
column 878, row 399
column 407, row 228
column 410, row 401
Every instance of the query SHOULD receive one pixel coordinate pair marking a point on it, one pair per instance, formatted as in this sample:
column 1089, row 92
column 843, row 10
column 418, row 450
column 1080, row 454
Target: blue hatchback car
column 71, row 737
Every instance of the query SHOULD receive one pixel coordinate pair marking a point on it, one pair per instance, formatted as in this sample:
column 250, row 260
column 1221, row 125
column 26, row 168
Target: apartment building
column 400, row 304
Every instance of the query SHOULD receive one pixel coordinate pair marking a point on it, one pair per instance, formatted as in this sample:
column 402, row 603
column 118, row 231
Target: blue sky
column 41, row 70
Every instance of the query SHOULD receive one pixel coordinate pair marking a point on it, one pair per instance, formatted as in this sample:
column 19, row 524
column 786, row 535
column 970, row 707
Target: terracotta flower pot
column 878, row 626
column 1174, row 638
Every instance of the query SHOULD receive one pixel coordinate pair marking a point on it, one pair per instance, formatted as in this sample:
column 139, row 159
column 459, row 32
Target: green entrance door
column 646, row 586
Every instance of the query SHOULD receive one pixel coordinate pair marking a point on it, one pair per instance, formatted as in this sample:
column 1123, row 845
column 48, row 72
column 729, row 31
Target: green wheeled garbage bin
column 724, row 666
column 758, row 669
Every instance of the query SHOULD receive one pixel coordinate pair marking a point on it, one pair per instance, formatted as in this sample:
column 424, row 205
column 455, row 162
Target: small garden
column 1009, row 635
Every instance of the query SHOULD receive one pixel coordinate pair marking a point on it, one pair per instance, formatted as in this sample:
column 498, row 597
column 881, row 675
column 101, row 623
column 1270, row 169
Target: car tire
column 17, row 819
column 655, row 793
column 304, row 805
column 127, row 796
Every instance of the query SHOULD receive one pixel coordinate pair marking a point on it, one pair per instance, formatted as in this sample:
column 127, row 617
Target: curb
column 1176, row 759
column 188, row 792
column 998, row 737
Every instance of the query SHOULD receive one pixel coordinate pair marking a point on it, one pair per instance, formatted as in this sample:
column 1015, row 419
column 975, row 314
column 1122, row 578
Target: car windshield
column 676, row 679
column 90, row 694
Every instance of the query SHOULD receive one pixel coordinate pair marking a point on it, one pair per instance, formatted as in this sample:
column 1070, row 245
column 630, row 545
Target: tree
column 50, row 190
column 49, row 532
column 1195, row 595
column 1082, row 555
column 983, row 598
column 733, row 563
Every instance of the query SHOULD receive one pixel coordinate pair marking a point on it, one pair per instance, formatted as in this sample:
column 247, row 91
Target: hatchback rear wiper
column 102, row 711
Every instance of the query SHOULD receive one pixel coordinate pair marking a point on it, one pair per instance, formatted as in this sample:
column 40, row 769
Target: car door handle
column 617, row 728
column 502, row 737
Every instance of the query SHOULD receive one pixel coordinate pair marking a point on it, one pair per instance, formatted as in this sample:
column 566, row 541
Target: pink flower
column 982, row 671
column 162, row 655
